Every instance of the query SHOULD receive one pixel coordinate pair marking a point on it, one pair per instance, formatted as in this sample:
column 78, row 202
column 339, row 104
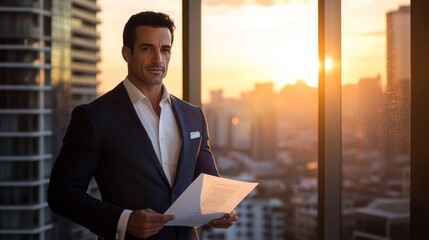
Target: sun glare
column 300, row 67
column 329, row 63
column 235, row 121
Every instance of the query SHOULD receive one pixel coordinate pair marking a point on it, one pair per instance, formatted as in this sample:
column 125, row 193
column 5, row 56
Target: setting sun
column 248, row 43
column 235, row 121
column 329, row 64
column 243, row 46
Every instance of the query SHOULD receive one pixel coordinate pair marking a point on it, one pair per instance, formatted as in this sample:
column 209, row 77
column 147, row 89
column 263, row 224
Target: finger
column 232, row 214
column 229, row 217
column 226, row 221
column 151, row 220
column 221, row 224
column 146, row 222
column 162, row 219
column 232, row 218
column 155, row 217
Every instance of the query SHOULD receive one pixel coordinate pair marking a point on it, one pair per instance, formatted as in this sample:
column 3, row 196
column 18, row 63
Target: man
column 143, row 146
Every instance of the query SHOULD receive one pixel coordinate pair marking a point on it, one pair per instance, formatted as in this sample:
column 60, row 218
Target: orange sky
column 249, row 41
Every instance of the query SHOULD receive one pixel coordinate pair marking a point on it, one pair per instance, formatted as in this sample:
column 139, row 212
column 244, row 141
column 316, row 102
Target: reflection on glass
column 259, row 93
column 376, row 120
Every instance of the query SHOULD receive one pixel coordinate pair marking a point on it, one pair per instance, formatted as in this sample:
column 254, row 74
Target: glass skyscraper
column 48, row 64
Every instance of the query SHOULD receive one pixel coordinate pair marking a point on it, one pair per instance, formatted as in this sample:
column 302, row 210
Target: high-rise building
column 264, row 122
column 398, row 48
column 229, row 123
column 399, row 79
column 259, row 218
column 398, row 93
column 48, row 58
column 369, row 112
column 383, row 219
column 84, row 50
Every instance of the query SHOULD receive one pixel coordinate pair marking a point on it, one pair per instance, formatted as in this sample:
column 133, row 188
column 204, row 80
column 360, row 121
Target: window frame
column 419, row 199
column 329, row 195
column 329, row 133
column 191, row 20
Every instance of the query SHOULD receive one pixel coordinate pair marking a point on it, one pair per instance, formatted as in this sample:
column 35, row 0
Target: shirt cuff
column 122, row 224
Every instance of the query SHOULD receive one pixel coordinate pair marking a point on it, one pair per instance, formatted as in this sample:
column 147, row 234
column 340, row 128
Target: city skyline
column 265, row 129
column 253, row 52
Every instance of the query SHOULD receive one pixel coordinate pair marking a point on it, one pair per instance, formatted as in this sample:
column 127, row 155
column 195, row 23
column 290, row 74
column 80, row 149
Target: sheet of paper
column 207, row 198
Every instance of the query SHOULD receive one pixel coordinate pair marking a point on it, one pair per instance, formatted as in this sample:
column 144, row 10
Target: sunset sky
column 250, row 41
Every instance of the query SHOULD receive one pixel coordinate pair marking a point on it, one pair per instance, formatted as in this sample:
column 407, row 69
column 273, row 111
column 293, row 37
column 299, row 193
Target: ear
column 126, row 54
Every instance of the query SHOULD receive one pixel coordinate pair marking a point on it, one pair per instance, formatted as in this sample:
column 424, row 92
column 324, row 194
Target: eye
column 146, row 49
column 166, row 50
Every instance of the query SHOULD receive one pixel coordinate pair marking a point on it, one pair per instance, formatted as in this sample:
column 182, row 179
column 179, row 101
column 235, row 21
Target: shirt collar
column 135, row 94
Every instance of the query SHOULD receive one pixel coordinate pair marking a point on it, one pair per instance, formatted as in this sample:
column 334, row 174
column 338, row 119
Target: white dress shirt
column 163, row 133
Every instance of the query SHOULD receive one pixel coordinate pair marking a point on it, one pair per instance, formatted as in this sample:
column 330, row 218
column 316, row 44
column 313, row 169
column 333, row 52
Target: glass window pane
column 19, row 76
column 376, row 119
column 19, row 195
column 15, row 220
column 19, row 99
column 259, row 94
column 19, row 146
column 19, row 56
column 22, row 122
column 19, row 170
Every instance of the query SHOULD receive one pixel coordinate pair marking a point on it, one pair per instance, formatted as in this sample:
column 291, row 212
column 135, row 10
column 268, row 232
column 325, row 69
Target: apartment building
column 48, row 63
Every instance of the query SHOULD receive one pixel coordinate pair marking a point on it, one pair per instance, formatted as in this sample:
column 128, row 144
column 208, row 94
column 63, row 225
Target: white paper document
column 207, row 198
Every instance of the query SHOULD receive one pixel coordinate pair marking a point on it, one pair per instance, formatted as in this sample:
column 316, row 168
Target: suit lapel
column 124, row 110
column 184, row 132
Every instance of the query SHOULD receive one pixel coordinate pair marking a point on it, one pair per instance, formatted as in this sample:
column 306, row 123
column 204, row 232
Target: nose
column 157, row 57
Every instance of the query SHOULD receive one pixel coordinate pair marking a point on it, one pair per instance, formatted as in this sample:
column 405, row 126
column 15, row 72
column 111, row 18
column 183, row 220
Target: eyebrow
column 151, row 45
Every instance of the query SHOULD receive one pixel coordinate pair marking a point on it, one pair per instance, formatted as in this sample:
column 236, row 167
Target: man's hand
column 146, row 222
column 226, row 221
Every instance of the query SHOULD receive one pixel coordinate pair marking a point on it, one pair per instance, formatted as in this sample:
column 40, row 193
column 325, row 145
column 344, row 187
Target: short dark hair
column 148, row 18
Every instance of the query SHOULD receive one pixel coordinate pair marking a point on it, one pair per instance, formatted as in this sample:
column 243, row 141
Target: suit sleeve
column 205, row 161
column 74, row 168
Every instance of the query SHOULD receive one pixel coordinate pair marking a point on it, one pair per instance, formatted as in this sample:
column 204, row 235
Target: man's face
column 148, row 64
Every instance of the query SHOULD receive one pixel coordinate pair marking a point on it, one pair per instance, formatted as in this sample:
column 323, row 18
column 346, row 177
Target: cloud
column 265, row 2
column 239, row 3
column 370, row 33
column 231, row 3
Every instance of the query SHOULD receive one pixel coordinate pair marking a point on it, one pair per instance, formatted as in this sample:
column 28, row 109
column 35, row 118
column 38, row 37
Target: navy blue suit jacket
column 106, row 139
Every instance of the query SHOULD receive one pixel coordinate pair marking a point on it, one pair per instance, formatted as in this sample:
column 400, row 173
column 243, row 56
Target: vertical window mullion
column 419, row 210
column 191, row 13
column 329, row 173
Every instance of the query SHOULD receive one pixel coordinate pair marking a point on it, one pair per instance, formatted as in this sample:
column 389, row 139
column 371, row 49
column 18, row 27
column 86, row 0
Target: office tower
column 368, row 113
column 303, row 222
column 383, row 219
column 398, row 95
column 229, row 123
column 399, row 75
column 297, row 119
column 48, row 57
column 263, row 122
column 259, row 218
column 216, row 118
column 84, row 50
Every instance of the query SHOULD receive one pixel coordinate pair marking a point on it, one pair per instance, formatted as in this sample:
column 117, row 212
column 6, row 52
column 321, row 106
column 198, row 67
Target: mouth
column 155, row 70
